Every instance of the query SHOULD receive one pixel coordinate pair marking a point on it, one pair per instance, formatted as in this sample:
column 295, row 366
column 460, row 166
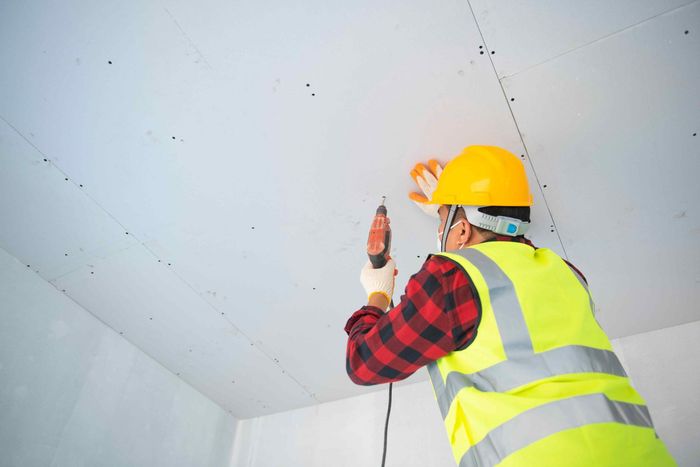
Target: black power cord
column 386, row 424
column 388, row 412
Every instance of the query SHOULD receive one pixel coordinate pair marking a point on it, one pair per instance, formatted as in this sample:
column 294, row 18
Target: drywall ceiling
column 201, row 176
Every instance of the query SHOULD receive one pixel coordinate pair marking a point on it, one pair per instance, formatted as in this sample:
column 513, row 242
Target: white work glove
column 427, row 179
column 379, row 280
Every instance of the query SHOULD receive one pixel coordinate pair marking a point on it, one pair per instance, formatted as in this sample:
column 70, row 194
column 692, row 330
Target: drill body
column 379, row 241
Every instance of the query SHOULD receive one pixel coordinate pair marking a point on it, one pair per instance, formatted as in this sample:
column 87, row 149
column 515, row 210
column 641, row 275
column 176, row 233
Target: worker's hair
column 516, row 212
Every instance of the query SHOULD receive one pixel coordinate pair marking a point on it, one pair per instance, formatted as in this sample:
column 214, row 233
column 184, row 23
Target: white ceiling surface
column 610, row 130
column 525, row 33
column 258, row 208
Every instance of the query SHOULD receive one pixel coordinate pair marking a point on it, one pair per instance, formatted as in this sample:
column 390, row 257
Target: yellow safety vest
column 539, row 385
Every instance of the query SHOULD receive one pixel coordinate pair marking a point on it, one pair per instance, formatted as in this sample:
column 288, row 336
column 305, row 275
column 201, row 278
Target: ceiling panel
column 46, row 219
column 611, row 129
column 145, row 301
column 523, row 33
column 101, row 89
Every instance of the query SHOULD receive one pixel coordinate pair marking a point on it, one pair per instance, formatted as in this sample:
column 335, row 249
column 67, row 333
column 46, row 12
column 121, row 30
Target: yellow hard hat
column 483, row 176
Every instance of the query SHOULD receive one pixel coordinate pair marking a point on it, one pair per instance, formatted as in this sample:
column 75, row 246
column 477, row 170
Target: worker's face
column 460, row 230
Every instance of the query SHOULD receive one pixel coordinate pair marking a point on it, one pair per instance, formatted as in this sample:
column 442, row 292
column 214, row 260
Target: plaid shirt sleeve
column 438, row 314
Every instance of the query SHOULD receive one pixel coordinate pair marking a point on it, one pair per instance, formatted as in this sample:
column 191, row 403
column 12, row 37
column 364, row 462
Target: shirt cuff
column 366, row 310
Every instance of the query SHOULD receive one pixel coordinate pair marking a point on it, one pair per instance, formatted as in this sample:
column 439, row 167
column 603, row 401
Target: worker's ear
column 464, row 231
column 468, row 231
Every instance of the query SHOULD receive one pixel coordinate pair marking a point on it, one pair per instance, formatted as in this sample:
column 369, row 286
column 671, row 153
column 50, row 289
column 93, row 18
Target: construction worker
column 522, row 372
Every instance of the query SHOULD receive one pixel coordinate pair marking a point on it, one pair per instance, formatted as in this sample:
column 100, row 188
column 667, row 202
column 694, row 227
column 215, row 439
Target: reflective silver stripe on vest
column 510, row 374
column 522, row 365
column 444, row 397
column 585, row 286
column 548, row 419
column 504, row 302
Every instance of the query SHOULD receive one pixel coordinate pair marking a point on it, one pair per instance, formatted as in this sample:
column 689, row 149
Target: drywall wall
column 75, row 393
column 662, row 364
column 349, row 433
column 664, row 368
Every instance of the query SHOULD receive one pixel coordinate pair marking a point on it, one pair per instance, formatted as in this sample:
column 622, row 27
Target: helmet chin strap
column 446, row 231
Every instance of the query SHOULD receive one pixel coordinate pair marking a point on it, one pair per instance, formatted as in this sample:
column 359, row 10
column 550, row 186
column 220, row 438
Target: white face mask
column 439, row 235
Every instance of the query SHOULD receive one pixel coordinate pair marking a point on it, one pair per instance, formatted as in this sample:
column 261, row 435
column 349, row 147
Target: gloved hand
column 426, row 178
column 379, row 281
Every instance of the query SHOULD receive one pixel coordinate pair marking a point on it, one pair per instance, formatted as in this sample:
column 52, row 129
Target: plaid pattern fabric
column 439, row 313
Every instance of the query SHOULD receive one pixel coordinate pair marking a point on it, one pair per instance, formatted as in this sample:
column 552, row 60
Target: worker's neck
column 477, row 237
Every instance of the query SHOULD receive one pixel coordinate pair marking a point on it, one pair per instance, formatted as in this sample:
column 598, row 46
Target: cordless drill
column 379, row 241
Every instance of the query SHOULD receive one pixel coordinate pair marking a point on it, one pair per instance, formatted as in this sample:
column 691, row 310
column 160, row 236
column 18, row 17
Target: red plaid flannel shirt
column 438, row 314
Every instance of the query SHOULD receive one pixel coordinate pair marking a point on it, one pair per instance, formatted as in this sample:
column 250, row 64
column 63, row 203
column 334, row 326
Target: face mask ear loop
column 446, row 231
column 462, row 245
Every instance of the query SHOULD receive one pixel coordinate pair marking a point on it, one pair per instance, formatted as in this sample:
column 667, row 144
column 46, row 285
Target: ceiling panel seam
column 622, row 337
column 275, row 361
column 607, row 36
column 520, row 135
column 677, row 325
column 187, row 38
column 22, row 136
column 68, row 272
column 66, row 175
column 259, row 348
